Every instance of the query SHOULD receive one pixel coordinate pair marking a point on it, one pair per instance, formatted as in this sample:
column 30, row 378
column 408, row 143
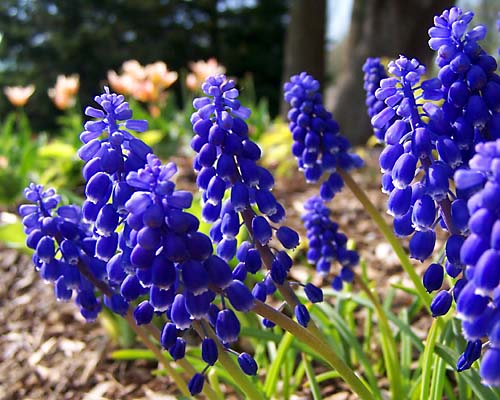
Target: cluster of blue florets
column 374, row 72
column 327, row 244
column 134, row 240
column 61, row 241
column 427, row 146
column 478, row 302
column 232, row 182
column 318, row 145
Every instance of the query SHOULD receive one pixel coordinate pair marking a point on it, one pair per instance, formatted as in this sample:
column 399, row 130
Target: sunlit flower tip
column 143, row 313
column 218, row 271
column 240, row 272
column 98, row 188
column 433, row 277
column 209, row 352
column 422, row 244
column 179, row 314
column 313, row 293
column 178, row 350
column 489, row 370
column 45, row 250
column 404, row 170
column 247, row 364
column 287, row 237
column 302, row 315
column 240, row 296
column 168, row 335
column 227, row 326
column 441, row 303
column 399, row 202
column 195, row 384
column 19, row 95
column 470, row 303
column 261, row 229
column 470, row 355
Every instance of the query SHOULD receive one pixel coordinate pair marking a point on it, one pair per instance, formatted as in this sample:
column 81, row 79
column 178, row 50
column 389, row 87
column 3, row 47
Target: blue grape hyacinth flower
column 326, row 244
column 477, row 303
column 232, row 182
column 374, row 72
column 318, row 145
column 64, row 251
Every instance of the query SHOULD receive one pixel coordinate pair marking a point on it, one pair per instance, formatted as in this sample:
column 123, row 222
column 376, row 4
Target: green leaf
column 13, row 235
column 133, row 354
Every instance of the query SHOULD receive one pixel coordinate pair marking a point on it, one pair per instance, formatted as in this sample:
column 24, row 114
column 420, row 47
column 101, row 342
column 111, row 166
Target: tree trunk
column 305, row 41
column 379, row 28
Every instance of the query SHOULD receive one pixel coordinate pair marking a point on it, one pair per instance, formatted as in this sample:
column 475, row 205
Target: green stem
column 242, row 380
column 427, row 358
column 311, row 376
column 389, row 348
column 308, row 338
column 142, row 334
column 389, row 236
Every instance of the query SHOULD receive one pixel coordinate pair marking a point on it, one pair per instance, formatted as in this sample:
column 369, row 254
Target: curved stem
column 389, row 236
column 242, row 380
column 321, row 347
column 387, row 341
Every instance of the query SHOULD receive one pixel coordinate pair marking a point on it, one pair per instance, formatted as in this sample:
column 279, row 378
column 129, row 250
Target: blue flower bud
column 240, row 272
column 247, row 364
column 433, row 277
column 178, row 350
column 399, row 201
column 98, row 188
column 489, row 367
column 441, row 303
column 313, row 293
column 195, row 384
column 143, row 313
column 470, row 355
column 61, row 291
column 179, row 314
column 302, row 315
column 161, row 299
column 226, row 249
column 259, row 292
column 404, row 170
column 218, row 271
column 209, row 352
column 261, row 230
column 168, row 335
column 487, row 271
column 240, row 297
column 287, row 237
column 227, row 326
column 422, row 245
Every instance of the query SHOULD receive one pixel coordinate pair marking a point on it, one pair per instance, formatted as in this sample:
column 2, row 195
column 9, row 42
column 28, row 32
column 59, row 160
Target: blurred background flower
column 19, row 95
column 144, row 83
column 63, row 94
column 201, row 70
